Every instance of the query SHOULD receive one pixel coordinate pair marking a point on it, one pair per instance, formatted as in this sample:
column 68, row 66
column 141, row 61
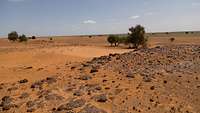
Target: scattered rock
column 32, row 106
column 91, row 109
column 71, row 105
column 7, row 103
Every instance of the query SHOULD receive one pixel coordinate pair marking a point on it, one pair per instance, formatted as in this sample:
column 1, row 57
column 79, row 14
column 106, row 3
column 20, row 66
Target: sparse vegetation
column 135, row 38
column 13, row 36
column 113, row 39
column 23, row 38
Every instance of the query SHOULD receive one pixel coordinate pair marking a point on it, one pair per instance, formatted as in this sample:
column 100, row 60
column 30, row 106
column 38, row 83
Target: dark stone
column 129, row 75
column 93, row 70
column 147, row 79
column 51, row 80
column 152, row 87
column 30, row 67
column 12, row 88
column 23, row 81
column 85, row 77
column 101, row 98
column 37, row 84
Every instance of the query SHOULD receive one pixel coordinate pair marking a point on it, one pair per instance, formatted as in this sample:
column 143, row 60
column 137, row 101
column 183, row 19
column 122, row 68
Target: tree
column 13, row 36
column 112, row 39
column 33, row 37
column 137, row 36
column 23, row 38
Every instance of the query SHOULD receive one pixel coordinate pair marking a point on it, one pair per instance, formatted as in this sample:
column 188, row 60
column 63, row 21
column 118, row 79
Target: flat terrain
column 86, row 75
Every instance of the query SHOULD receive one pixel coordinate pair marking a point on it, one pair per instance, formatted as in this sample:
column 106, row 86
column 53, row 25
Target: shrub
column 23, row 38
column 137, row 36
column 186, row 32
column 33, row 37
column 13, row 36
column 90, row 36
column 113, row 39
column 51, row 38
column 172, row 39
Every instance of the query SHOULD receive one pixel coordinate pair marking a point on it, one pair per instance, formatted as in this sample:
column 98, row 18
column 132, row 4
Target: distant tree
column 23, row 38
column 51, row 38
column 33, row 37
column 172, row 39
column 90, row 36
column 113, row 39
column 167, row 33
column 137, row 36
column 186, row 32
column 13, row 36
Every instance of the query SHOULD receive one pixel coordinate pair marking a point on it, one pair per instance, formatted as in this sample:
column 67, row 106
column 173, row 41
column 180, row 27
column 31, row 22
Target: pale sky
column 74, row 17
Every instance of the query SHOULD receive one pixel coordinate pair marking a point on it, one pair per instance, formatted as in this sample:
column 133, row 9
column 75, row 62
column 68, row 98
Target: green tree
column 33, row 37
column 137, row 36
column 23, row 38
column 112, row 39
column 13, row 36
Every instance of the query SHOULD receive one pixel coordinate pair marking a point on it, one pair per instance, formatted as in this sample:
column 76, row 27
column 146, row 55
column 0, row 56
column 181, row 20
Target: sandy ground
column 64, row 70
column 45, row 56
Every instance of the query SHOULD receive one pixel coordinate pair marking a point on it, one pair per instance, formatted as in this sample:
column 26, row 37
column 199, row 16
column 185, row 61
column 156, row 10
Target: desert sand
column 85, row 75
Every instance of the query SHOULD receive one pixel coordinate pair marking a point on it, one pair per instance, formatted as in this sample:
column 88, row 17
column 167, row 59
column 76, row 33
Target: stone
column 23, row 81
column 91, row 109
column 100, row 98
column 7, row 103
column 85, row 77
column 93, row 70
column 78, row 93
column 50, row 80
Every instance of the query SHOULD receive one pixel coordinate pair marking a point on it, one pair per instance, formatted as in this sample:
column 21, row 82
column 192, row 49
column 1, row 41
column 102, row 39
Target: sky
column 81, row 17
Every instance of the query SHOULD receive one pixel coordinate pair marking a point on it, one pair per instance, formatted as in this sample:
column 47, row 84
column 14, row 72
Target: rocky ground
column 156, row 80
